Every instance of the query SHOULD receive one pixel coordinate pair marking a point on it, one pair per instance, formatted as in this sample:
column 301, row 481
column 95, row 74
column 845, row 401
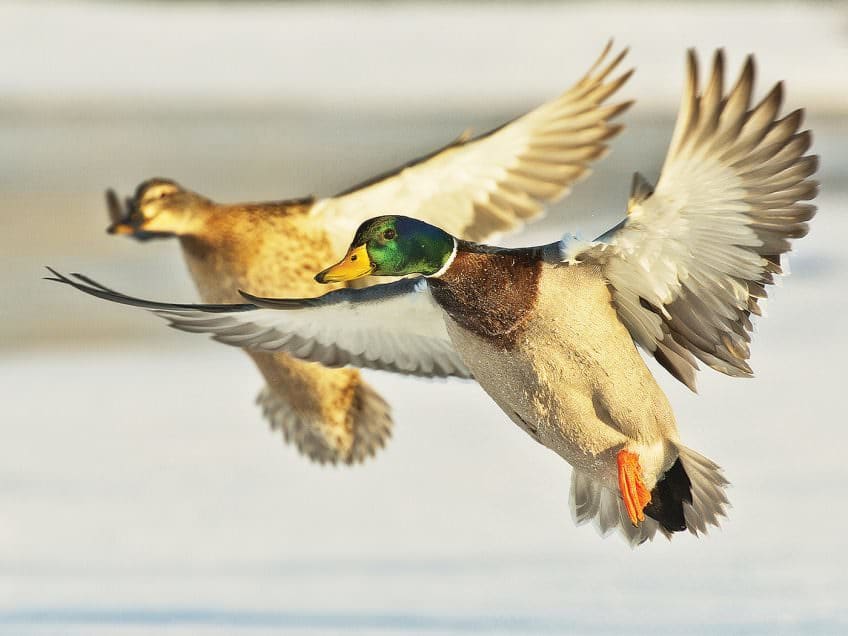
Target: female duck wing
column 394, row 327
column 474, row 188
column 691, row 260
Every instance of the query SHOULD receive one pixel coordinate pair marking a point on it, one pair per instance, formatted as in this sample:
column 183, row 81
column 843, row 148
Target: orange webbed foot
column 633, row 490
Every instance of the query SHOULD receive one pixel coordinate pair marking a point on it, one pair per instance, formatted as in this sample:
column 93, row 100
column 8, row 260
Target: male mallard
column 549, row 331
column 474, row 188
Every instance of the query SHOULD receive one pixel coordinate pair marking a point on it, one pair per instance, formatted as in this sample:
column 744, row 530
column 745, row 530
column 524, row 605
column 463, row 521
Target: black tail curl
column 667, row 498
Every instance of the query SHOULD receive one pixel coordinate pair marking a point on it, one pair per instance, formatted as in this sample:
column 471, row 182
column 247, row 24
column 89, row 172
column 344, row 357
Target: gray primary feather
column 394, row 327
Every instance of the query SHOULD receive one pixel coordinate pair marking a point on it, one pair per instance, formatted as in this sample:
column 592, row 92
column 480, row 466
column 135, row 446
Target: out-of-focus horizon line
column 93, row 108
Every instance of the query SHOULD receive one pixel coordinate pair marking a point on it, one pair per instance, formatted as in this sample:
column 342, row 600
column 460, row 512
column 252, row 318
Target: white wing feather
column 395, row 327
column 692, row 259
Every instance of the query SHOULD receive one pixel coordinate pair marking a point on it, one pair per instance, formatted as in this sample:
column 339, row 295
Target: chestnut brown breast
column 492, row 294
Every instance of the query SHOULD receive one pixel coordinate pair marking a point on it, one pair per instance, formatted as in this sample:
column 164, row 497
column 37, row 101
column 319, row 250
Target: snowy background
column 140, row 490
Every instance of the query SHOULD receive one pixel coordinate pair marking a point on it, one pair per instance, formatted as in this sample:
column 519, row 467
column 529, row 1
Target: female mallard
column 473, row 188
column 549, row 331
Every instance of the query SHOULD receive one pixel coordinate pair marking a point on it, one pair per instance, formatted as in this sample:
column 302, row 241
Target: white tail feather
column 592, row 501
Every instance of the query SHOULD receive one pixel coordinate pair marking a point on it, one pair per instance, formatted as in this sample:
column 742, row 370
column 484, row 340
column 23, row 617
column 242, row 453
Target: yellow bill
column 121, row 228
column 355, row 264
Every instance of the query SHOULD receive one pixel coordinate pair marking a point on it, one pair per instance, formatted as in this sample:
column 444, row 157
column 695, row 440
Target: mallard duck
column 550, row 332
column 475, row 188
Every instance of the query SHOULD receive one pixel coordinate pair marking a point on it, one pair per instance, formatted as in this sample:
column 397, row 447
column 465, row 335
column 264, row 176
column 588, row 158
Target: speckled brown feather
column 274, row 249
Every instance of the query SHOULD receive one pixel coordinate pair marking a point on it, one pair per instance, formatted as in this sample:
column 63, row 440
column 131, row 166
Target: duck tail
column 592, row 501
column 707, row 501
column 689, row 496
column 369, row 426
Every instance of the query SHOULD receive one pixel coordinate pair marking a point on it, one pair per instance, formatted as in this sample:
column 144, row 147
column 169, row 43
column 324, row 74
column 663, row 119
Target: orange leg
column 633, row 490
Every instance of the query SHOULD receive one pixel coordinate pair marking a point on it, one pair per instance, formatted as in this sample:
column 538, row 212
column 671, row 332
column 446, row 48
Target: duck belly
column 572, row 378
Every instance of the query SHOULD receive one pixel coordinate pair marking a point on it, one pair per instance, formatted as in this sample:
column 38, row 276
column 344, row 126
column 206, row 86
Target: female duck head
column 160, row 208
column 393, row 246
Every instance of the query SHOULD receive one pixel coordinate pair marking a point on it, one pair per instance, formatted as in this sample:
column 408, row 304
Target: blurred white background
column 140, row 489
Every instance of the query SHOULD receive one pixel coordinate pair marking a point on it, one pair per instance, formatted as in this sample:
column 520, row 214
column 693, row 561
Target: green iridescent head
column 392, row 246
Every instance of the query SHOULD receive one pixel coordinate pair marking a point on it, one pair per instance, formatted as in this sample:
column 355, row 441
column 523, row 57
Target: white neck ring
column 448, row 262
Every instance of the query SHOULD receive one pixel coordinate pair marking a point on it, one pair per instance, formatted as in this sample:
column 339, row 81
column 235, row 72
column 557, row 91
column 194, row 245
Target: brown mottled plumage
column 250, row 247
column 329, row 414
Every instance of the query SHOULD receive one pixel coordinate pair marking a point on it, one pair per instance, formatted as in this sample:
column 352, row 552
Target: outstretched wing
column 692, row 259
column 395, row 327
column 476, row 188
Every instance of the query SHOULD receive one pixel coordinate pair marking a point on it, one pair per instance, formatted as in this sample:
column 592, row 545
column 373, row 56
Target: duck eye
column 389, row 234
column 353, row 257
